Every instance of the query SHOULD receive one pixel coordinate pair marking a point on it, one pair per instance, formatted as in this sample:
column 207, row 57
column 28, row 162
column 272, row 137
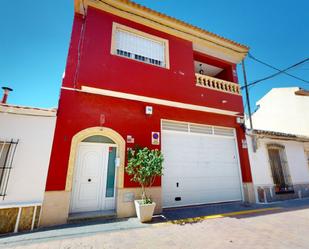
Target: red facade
column 90, row 63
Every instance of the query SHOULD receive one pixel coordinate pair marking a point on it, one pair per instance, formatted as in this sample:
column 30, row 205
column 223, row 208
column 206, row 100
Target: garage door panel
column 201, row 197
column 198, row 183
column 204, row 166
column 200, row 169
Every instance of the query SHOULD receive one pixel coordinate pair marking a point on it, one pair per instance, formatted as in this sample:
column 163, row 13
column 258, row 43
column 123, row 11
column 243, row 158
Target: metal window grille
column 279, row 167
column 7, row 152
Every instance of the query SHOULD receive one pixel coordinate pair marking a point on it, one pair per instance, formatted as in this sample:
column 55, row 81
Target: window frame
column 117, row 26
column 288, row 181
column 7, row 164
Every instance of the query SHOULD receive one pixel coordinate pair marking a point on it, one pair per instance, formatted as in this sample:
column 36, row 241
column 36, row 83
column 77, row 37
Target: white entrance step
column 104, row 214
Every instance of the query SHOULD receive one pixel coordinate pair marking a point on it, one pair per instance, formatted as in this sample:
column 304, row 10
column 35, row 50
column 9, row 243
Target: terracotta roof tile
column 139, row 6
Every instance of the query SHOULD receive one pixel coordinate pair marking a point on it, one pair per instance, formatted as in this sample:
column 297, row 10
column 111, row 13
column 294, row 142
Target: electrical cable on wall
column 80, row 46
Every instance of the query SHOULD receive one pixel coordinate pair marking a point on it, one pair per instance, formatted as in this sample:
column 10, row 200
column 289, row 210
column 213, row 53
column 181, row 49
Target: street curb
column 216, row 216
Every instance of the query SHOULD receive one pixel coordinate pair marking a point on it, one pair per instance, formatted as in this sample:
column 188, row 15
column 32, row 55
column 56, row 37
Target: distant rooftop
column 275, row 134
column 27, row 110
column 302, row 92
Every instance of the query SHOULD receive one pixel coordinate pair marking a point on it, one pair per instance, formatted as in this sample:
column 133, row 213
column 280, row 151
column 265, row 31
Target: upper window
column 137, row 45
column 98, row 139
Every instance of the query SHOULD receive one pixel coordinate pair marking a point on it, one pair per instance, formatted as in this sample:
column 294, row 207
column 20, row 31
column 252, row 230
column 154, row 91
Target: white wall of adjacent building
column 260, row 166
column 281, row 110
column 34, row 129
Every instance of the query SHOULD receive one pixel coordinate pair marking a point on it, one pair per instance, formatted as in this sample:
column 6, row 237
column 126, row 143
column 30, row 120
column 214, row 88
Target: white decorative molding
column 157, row 101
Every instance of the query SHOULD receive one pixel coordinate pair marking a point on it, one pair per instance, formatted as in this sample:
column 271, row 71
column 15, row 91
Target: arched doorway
column 93, row 174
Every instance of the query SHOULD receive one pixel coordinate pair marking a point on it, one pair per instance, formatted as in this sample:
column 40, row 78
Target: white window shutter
column 138, row 45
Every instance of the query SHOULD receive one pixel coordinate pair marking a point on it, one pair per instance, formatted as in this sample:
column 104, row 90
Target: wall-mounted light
column 148, row 110
column 240, row 120
column 201, row 71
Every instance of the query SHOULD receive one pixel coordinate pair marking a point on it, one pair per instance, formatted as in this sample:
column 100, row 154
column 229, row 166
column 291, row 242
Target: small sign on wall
column 128, row 197
column 155, row 138
column 130, row 139
column 234, row 73
column 244, row 144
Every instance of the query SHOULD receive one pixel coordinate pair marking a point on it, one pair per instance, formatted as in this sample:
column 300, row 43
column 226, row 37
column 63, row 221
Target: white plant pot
column 144, row 212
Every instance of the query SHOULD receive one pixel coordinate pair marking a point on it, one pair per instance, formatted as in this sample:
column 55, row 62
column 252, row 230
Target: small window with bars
column 7, row 152
column 140, row 46
column 280, row 169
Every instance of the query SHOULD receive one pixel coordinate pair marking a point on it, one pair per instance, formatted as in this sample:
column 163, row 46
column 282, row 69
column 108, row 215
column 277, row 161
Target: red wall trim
column 127, row 117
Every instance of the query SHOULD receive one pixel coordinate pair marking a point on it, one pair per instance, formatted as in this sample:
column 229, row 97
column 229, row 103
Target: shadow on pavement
column 179, row 216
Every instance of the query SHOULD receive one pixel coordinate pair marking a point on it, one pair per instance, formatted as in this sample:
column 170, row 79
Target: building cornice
column 203, row 40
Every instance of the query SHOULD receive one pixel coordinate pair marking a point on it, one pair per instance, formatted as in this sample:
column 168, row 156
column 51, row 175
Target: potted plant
column 144, row 165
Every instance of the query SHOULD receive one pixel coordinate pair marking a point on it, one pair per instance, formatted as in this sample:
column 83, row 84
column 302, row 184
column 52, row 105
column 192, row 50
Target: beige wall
column 125, row 205
column 55, row 209
column 249, row 194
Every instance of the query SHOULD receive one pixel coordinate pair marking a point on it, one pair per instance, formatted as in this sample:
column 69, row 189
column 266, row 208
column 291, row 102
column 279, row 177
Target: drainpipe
column 247, row 93
column 80, row 44
column 6, row 91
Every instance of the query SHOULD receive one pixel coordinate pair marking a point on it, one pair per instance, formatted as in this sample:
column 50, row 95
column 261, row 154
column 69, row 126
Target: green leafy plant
column 144, row 165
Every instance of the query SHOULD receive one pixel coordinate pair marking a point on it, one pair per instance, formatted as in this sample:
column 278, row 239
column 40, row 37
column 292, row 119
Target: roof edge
column 278, row 135
column 27, row 110
column 131, row 10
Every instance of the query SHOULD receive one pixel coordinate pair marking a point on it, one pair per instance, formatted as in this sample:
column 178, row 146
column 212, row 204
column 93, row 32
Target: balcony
column 217, row 84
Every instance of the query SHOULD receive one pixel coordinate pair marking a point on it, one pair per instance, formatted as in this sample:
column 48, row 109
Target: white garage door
column 200, row 164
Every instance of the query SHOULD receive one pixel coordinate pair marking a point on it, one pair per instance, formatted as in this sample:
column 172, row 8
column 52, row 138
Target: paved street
column 284, row 228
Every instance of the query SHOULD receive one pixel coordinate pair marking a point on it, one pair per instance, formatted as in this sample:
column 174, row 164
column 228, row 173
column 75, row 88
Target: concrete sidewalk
column 88, row 228
column 213, row 209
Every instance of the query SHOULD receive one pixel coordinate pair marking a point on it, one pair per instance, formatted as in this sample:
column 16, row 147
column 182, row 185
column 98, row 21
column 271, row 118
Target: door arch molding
column 101, row 131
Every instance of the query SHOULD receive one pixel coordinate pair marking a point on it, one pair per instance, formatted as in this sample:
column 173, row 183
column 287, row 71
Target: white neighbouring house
column 26, row 136
column 278, row 145
column 283, row 110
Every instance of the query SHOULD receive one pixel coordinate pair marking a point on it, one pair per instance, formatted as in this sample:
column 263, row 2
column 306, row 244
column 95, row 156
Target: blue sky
column 35, row 37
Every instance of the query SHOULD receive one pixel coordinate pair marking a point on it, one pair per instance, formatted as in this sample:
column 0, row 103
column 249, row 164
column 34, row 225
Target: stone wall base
column 268, row 194
column 19, row 218
column 249, row 195
column 55, row 209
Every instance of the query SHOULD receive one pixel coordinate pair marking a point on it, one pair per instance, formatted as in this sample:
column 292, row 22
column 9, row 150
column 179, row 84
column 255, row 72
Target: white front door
column 89, row 185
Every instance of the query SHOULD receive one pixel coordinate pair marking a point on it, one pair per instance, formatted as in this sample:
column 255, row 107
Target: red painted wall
column 226, row 74
column 99, row 68
column 90, row 63
column 78, row 111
